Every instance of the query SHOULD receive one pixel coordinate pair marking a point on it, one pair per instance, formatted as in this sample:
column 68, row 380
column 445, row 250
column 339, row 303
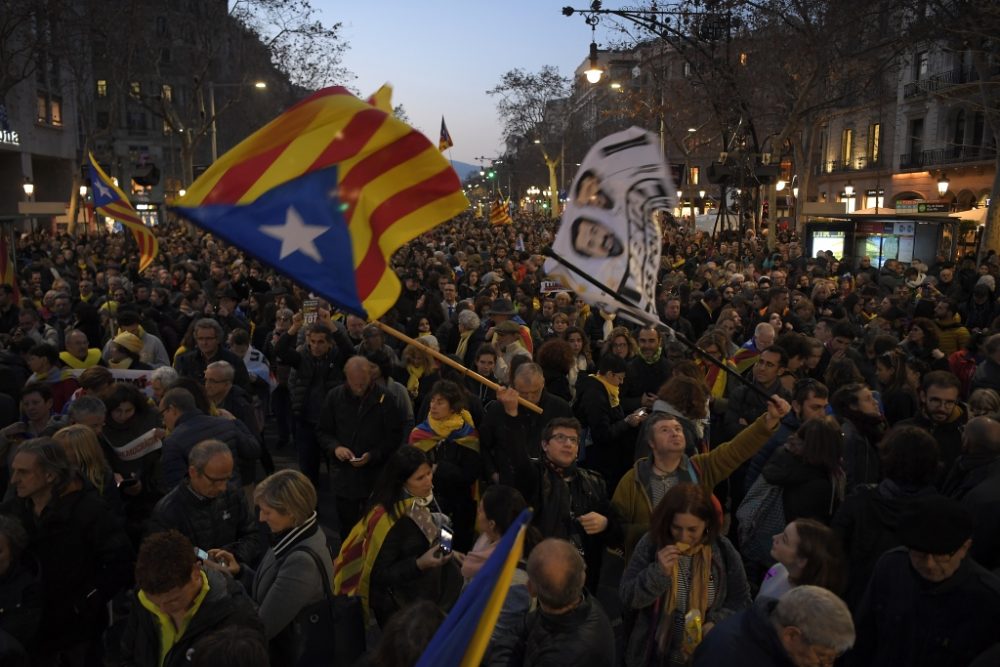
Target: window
column 161, row 25
column 135, row 89
column 687, row 70
column 103, row 120
column 102, row 88
column 958, row 128
column 42, row 108
column 920, row 65
column 164, row 55
column 874, row 138
column 136, row 121
column 694, row 175
column 916, row 138
column 55, row 111
column 167, row 93
column 166, row 127
column 846, row 147
column 743, row 59
column 875, row 198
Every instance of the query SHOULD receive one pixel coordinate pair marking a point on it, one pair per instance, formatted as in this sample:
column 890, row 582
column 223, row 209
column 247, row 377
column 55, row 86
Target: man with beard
column 942, row 414
column 646, row 372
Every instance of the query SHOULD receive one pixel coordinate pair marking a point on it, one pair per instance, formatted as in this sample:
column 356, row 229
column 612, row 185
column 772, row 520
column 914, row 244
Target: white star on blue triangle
column 298, row 229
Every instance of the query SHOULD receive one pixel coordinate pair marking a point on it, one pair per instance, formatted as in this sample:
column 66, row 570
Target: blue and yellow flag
column 445, row 142
column 325, row 193
column 109, row 200
column 464, row 635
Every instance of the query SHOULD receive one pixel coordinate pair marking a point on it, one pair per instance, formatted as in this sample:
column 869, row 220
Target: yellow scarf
column 701, row 569
column 610, row 388
column 93, row 357
column 125, row 363
column 445, row 427
column 413, row 381
column 170, row 635
column 463, row 344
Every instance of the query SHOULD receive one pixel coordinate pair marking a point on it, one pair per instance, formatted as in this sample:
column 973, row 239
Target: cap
column 935, row 525
column 508, row 327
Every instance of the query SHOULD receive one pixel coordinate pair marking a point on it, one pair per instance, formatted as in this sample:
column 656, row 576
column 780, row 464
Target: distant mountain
column 463, row 169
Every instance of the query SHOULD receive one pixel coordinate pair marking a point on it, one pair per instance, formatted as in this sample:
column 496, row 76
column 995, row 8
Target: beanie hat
column 129, row 341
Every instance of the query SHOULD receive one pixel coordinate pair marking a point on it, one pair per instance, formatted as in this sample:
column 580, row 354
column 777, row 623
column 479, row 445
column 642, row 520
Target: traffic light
column 492, row 173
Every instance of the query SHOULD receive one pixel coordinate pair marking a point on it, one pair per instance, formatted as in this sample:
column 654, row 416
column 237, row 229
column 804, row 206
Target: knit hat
column 129, row 341
column 987, row 280
column 935, row 525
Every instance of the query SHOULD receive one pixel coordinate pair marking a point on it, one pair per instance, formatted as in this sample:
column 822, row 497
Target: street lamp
column 942, row 184
column 259, row 85
column 780, row 185
column 849, row 189
column 29, row 188
column 594, row 72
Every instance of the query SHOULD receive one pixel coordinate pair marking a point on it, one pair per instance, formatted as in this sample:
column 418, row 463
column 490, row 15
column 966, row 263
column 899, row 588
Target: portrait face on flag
column 611, row 228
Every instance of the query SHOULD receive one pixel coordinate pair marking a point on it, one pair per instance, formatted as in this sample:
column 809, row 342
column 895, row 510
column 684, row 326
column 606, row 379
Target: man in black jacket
column 360, row 426
column 318, row 369
column 79, row 545
column 506, row 422
column 975, row 480
column 224, row 395
column 178, row 603
column 207, row 511
column 568, row 627
column 208, row 338
column 942, row 415
column 646, row 372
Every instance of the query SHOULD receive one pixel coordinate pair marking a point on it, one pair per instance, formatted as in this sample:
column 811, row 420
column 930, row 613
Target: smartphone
column 642, row 412
column 201, row 554
column 127, row 482
column 310, row 311
column 444, row 542
column 356, row 459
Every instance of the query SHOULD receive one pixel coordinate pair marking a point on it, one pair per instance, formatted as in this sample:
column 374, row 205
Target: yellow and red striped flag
column 8, row 265
column 445, row 142
column 325, row 193
column 499, row 214
column 109, row 200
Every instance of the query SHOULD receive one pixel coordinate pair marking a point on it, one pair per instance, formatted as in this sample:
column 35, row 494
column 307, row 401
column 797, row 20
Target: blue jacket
column 747, row 638
column 194, row 427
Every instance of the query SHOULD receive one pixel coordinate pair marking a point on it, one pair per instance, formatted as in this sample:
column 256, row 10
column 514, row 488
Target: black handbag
column 330, row 632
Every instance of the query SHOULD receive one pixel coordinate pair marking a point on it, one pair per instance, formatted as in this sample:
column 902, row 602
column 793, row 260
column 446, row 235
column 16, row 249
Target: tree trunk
column 553, row 188
column 991, row 233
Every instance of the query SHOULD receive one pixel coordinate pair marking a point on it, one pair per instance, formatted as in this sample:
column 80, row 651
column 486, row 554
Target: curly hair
column 555, row 354
column 687, row 394
column 165, row 562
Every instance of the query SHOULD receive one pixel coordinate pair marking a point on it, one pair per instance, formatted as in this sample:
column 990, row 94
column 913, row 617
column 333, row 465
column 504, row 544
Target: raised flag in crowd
column 445, row 142
column 465, row 633
column 499, row 213
column 8, row 264
column 611, row 227
column 111, row 201
column 325, row 193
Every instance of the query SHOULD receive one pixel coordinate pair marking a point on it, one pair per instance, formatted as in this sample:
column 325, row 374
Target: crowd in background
column 195, row 457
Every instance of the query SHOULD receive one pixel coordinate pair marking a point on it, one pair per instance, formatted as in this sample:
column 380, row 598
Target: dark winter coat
column 947, row 434
column 225, row 605
column 904, row 619
column 396, row 581
column 747, row 638
column 20, row 610
column 975, row 480
column 642, row 378
column 807, row 490
column 611, row 439
column 499, row 429
column 371, row 424
column 192, row 364
column 224, row 522
column 866, row 525
column 314, row 376
column 84, row 560
column 194, row 427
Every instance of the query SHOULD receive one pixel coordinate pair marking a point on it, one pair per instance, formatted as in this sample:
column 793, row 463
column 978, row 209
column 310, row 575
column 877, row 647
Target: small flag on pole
column 464, row 635
column 109, row 200
column 445, row 142
column 325, row 193
column 499, row 214
column 8, row 265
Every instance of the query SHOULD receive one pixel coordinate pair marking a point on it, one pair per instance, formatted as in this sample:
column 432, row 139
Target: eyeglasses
column 562, row 437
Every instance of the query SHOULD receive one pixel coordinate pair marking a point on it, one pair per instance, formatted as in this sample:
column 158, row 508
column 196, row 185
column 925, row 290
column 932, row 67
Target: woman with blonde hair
column 421, row 373
column 84, row 452
column 296, row 572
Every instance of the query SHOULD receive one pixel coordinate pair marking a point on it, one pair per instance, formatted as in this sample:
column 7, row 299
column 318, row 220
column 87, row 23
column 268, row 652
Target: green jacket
column 632, row 497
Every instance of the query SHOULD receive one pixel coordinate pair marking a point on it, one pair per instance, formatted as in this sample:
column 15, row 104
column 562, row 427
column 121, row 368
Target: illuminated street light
column 942, row 184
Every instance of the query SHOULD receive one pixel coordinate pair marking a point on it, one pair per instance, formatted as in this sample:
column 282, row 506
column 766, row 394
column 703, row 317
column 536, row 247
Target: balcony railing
column 949, row 155
column 946, row 79
column 856, row 164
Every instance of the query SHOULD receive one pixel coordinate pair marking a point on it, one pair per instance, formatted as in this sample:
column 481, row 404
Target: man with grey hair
column 224, row 395
column 208, row 339
column 808, row 627
column 207, row 510
column 569, row 626
column 161, row 379
column 464, row 338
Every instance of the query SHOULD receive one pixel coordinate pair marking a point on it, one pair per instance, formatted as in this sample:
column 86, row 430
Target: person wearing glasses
column 941, row 414
column 570, row 502
column 208, row 339
column 928, row 603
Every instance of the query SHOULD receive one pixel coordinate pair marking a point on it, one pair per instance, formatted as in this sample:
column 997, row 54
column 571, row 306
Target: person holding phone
column 415, row 561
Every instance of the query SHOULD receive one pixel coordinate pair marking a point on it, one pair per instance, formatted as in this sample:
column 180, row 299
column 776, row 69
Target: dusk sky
column 441, row 56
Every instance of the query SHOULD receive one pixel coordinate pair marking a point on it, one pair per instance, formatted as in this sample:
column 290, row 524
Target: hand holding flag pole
column 451, row 362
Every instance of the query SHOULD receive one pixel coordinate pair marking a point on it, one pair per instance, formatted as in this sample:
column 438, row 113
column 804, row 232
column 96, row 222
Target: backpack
column 761, row 515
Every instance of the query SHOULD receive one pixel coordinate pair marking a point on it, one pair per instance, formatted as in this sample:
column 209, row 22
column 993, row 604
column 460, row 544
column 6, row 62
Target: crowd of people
column 197, row 458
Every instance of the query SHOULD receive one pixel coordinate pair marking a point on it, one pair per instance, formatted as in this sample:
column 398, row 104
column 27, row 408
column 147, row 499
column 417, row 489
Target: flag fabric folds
column 109, row 200
column 445, row 142
column 499, row 214
column 8, row 264
column 464, row 635
column 325, row 193
column 611, row 229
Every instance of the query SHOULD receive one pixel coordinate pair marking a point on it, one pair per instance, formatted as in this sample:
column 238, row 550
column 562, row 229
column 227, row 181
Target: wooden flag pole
column 451, row 362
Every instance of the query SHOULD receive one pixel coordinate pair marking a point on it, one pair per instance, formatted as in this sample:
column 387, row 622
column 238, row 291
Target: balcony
column 946, row 79
column 949, row 155
column 856, row 164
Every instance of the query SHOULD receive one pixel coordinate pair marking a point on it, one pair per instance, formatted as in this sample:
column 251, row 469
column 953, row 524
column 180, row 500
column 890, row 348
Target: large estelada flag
column 325, row 193
column 445, row 142
column 611, row 228
column 499, row 215
column 465, row 633
column 110, row 201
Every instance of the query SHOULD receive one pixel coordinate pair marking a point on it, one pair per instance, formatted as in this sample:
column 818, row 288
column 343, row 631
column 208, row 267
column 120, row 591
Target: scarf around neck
column 291, row 538
column 655, row 358
column 610, row 388
column 701, row 569
column 413, row 380
column 445, row 427
column 463, row 344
